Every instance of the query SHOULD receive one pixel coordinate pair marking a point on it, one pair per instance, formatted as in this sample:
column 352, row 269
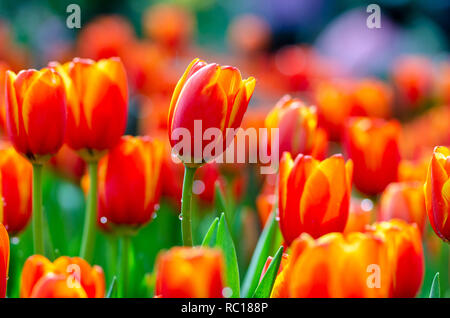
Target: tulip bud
column 211, row 95
column 314, row 196
column 129, row 182
column 184, row 272
column 405, row 201
column 4, row 260
column 66, row 277
column 97, row 101
column 16, row 178
column 298, row 131
column 437, row 192
column 372, row 144
column 35, row 112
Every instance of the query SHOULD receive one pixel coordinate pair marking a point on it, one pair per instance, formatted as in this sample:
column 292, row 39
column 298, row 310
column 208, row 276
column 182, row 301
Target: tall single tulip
column 97, row 99
column 185, row 272
column 437, row 192
column 66, row 277
column 298, row 130
column 313, row 196
column 207, row 96
column 403, row 200
column 36, row 124
column 16, row 183
column 403, row 245
column 372, row 144
column 4, row 260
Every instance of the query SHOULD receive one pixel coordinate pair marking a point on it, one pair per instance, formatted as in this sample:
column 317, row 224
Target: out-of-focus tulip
column 372, row 144
column 184, row 272
column 371, row 97
column 437, row 192
column 205, row 181
column 97, row 100
column 66, row 277
column 313, row 196
column 3, row 69
column 4, row 260
column 298, row 131
column 249, row 34
column 35, row 112
column 68, row 163
column 403, row 244
column 360, row 215
column 413, row 170
column 335, row 265
column 413, row 80
column 129, row 182
column 169, row 25
column 405, row 201
column 443, row 86
column 267, row 198
column 211, row 94
column 16, row 178
column 105, row 37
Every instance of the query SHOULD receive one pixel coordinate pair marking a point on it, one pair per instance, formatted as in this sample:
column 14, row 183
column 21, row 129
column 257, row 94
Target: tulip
column 3, row 69
column 4, row 260
column 97, row 99
column 16, row 183
column 36, row 123
column 403, row 245
column 68, row 163
column 313, row 196
column 437, row 192
column 372, row 144
column 298, row 131
column 185, row 272
column 404, row 201
column 371, row 97
column 335, row 265
column 66, row 277
column 217, row 98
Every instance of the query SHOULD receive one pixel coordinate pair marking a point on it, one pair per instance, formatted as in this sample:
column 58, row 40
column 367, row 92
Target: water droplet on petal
column 156, row 207
column 103, row 220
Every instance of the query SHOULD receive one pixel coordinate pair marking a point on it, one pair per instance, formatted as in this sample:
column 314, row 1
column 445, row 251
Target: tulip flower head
column 185, row 272
column 207, row 96
column 35, row 112
column 66, row 277
column 372, row 144
column 97, row 101
column 4, row 260
column 15, row 178
column 437, row 192
column 314, row 196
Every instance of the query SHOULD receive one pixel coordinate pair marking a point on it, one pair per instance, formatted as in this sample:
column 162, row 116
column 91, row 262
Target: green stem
column 444, row 268
column 37, row 218
column 124, row 257
column 88, row 241
column 186, row 222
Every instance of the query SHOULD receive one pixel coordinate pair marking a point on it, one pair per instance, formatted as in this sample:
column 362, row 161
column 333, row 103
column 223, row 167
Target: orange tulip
column 360, row 215
column 97, row 99
column 437, row 192
column 16, row 178
column 66, row 277
column 371, row 97
column 35, row 112
column 213, row 94
column 403, row 245
column 335, row 265
column 314, row 196
column 129, row 182
column 409, row 170
column 298, row 131
column 404, row 201
column 184, row 272
column 4, row 260
column 372, row 144
column 68, row 163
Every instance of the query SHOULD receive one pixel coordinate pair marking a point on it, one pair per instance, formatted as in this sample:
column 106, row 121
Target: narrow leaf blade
column 435, row 291
column 265, row 286
column 208, row 239
column 112, row 288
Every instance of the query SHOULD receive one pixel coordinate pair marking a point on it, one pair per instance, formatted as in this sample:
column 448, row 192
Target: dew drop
column 366, row 205
column 227, row 292
column 15, row 240
column 180, row 216
column 198, row 187
column 103, row 220
column 154, row 215
column 277, row 218
column 156, row 207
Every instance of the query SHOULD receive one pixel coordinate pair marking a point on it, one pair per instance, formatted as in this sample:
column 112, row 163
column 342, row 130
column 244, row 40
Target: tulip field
column 202, row 149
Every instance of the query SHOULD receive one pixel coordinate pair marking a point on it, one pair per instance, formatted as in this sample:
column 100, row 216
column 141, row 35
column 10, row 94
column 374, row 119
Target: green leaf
column 435, row 291
column 112, row 288
column 262, row 251
column 225, row 242
column 208, row 240
column 265, row 286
